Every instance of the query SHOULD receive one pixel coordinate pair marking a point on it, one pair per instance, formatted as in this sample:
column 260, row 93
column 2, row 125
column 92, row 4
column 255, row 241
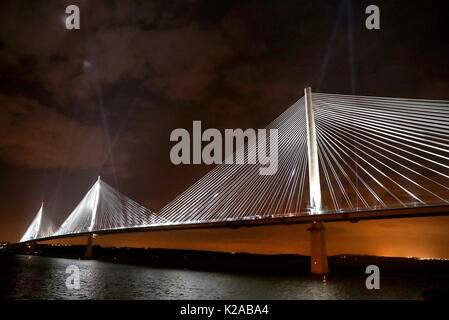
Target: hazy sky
column 104, row 99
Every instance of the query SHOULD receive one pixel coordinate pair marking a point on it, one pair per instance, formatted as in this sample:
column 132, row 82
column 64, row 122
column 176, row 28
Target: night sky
column 103, row 100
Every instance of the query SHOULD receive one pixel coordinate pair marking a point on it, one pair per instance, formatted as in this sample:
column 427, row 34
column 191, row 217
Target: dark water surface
column 35, row 277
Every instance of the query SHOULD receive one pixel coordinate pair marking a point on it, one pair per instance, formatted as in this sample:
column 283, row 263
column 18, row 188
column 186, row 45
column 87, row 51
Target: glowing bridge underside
column 378, row 158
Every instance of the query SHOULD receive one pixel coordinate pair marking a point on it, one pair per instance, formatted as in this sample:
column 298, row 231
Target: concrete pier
column 90, row 241
column 318, row 252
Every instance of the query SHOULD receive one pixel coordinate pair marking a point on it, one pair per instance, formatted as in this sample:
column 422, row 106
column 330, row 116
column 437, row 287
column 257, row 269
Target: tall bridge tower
column 318, row 254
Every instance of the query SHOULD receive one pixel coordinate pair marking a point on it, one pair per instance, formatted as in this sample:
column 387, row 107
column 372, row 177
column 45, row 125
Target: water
column 34, row 277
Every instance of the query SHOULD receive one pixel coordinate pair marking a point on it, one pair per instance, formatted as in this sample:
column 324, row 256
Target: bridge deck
column 428, row 211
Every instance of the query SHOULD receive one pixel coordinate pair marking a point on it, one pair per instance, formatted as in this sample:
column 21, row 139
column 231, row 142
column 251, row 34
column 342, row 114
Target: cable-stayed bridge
column 363, row 157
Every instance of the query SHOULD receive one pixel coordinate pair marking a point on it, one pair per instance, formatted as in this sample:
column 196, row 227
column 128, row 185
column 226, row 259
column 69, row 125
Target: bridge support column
column 90, row 241
column 318, row 253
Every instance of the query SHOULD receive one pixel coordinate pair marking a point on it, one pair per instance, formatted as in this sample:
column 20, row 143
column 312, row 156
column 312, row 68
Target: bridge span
column 341, row 158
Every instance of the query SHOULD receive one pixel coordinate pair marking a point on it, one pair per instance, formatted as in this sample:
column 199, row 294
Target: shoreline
column 238, row 261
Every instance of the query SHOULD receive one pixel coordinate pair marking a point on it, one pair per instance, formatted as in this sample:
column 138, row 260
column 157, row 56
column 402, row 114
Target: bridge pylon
column 318, row 254
column 90, row 242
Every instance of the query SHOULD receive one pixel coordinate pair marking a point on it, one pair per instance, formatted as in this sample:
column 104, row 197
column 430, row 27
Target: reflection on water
column 27, row 277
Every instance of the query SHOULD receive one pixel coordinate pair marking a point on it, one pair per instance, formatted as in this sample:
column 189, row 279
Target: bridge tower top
column 97, row 187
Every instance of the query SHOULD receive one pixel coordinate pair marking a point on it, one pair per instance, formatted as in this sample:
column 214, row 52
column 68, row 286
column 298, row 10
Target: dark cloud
column 35, row 136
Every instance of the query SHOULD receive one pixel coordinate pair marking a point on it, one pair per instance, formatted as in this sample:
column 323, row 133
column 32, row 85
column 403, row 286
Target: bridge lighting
column 365, row 153
column 87, row 64
column 312, row 152
column 34, row 230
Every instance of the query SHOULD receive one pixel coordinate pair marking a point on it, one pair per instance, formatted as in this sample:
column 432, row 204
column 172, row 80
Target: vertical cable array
column 238, row 191
column 400, row 148
column 104, row 208
column 40, row 227
column 374, row 152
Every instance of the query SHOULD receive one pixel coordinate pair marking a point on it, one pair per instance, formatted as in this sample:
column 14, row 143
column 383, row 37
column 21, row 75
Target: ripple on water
column 44, row 278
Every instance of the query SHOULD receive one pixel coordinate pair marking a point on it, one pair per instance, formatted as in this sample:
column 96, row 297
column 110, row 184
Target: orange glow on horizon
column 422, row 238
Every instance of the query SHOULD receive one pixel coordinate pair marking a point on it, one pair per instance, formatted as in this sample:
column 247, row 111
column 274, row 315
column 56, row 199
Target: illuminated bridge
column 341, row 158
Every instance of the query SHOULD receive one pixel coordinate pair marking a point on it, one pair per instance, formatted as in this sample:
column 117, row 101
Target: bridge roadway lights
column 318, row 253
column 90, row 241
